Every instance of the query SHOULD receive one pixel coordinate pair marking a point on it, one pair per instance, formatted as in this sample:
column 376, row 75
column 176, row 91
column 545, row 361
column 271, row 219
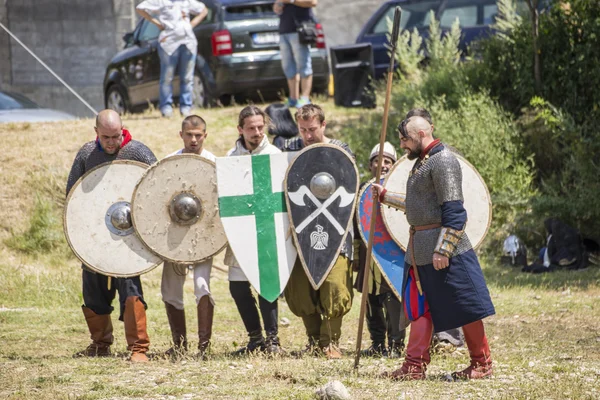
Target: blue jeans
column 295, row 57
column 184, row 61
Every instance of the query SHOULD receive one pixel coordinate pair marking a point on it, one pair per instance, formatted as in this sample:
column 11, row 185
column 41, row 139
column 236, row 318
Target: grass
column 545, row 337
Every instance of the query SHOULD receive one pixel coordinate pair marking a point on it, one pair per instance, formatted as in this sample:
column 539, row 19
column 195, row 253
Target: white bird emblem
column 319, row 239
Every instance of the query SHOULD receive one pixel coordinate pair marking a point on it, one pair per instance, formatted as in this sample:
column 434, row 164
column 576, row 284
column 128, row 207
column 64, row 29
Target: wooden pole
column 382, row 135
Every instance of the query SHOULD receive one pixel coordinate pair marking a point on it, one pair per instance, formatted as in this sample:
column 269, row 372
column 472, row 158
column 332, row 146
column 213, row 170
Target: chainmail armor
column 90, row 156
column 297, row 144
column 432, row 182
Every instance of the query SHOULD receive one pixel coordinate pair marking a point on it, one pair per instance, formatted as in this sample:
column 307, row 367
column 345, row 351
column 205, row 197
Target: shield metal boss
column 97, row 221
column 175, row 209
column 477, row 202
column 388, row 256
column 321, row 187
column 254, row 215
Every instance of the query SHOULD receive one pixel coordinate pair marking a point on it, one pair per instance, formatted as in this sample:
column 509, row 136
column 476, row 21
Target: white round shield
column 97, row 221
column 176, row 209
column 475, row 192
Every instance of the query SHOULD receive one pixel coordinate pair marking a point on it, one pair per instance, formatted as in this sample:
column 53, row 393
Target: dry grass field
column 545, row 338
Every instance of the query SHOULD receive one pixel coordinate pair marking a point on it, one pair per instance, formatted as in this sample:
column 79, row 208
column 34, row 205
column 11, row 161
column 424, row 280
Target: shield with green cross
column 254, row 215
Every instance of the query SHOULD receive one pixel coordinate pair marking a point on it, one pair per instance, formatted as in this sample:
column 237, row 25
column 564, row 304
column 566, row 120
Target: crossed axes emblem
column 297, row 198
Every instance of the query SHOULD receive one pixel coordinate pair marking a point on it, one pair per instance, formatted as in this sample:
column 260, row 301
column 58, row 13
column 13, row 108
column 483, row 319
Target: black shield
column 321, row 186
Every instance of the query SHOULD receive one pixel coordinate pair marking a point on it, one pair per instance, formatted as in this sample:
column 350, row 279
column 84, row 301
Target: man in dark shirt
column 321, row 310
column 112, row 143
column 295, row 56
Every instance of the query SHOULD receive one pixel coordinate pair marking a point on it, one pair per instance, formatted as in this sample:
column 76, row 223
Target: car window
column 209, row 16
column 15, row 101
column 249, row 11
column 148, row 31
column 466, row 15
column 414, row 15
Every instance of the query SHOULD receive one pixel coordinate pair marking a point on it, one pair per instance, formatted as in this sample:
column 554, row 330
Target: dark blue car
column 475, row 17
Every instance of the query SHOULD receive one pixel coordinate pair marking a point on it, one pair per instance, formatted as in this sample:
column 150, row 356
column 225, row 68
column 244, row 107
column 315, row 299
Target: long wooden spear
column 386, row 109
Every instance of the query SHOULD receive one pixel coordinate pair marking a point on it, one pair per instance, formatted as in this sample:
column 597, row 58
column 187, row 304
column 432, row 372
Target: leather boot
column 375, row 350
column 206, row 312
column 134, row 319
column 479, row 350
column 255, row 344
column 330, row 332
column 272, row 345
column 176, row 319
column 101, row 333
column 417, row 351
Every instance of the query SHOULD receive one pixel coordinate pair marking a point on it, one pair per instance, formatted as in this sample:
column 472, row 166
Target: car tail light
column 221, row 43
column 320, row 37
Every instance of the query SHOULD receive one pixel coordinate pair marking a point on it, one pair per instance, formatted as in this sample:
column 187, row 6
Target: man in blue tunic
column 444, row 279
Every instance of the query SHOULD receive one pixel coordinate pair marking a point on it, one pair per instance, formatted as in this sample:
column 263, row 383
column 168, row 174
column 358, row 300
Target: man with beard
column 113, row 142
column 252, row 140
column 444, row 277
column 384, row 309
column 193, row 133
column 321, row 310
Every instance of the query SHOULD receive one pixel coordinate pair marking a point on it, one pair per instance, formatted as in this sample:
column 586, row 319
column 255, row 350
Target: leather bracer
column 448, row 241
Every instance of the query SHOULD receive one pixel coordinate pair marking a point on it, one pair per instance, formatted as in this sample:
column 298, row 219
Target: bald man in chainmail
column 112, row 142
column 445, row 287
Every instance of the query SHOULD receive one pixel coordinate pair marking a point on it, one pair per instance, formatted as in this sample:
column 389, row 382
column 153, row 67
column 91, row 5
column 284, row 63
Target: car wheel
column 226, row 100
column 116, row 100
column 201, row 97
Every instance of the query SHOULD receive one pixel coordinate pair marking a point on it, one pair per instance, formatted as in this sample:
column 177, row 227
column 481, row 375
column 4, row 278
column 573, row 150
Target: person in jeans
column 295, row 57
column 177, row 47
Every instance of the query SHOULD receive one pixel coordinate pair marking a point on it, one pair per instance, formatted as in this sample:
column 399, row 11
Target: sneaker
column 185, row 111
column 302, row 101
column 291, row 102
column 167, row 111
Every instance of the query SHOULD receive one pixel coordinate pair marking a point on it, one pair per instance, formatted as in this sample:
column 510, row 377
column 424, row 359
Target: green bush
column 468, row 119
column 558, row 124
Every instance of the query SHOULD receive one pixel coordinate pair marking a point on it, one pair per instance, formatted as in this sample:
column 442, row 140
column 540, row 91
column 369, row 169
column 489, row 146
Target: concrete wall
column 77, row 38
column 343, row 19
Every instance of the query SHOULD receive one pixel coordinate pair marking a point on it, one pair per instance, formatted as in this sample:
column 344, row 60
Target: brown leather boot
column 176, row 319
column 206, row 312
column 417, row 352
column 479, row 350
column 101, row 333
column 134, row 319
column 332, row 352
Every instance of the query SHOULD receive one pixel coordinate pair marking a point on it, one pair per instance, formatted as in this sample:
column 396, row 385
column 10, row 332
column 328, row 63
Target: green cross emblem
column 263, row 204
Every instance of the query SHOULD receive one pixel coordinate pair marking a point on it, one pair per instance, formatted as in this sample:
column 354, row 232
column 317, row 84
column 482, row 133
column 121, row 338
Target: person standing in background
column 177, row 47
column 295, row 56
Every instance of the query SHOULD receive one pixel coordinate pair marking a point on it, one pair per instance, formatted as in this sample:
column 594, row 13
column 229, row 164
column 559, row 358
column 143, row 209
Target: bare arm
column 302, row 3
column 199, row 18
column 150, row 18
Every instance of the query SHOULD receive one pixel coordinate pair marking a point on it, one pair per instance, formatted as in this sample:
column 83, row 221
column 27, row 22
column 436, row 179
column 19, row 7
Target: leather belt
column 411, row 245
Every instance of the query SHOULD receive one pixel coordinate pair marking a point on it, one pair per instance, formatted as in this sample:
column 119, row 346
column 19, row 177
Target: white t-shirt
column 174, row 15
column 205, row 153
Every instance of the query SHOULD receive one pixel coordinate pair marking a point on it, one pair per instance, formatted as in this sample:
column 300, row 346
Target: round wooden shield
column 475, row 192
column 175, row 209
column 97, row 221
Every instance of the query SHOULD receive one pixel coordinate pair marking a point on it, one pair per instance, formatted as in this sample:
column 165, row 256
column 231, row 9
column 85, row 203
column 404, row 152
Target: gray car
column 15, row 107
column 238, row 56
